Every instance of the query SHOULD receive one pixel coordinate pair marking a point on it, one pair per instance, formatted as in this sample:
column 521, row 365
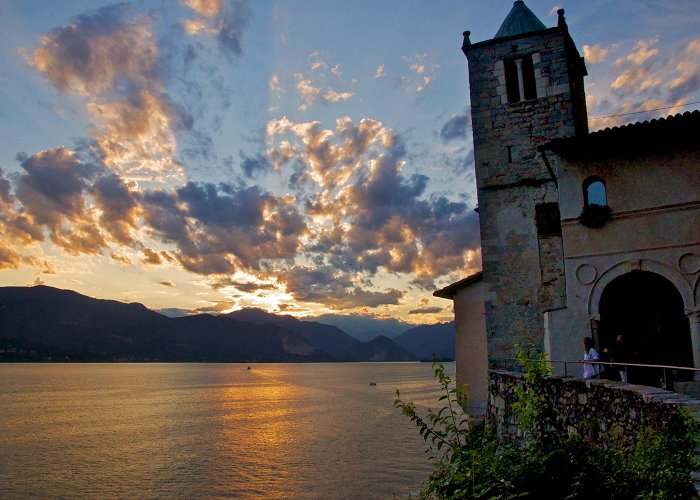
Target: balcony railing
column 666, row 370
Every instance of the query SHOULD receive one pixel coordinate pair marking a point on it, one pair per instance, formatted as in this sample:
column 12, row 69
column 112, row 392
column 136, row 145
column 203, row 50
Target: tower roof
column 519, row 20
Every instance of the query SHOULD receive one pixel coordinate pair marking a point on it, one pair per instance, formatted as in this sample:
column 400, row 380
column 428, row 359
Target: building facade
column 583, row 234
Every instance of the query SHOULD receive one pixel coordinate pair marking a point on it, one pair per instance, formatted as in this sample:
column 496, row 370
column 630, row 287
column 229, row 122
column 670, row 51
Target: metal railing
column 625, row 366
column 622, row 367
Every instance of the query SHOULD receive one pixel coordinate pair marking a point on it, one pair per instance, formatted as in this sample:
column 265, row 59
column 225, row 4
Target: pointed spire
column 519, row 20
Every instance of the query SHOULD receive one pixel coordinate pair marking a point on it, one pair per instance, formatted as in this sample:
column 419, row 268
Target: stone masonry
column 589, row 407
column 523, row 274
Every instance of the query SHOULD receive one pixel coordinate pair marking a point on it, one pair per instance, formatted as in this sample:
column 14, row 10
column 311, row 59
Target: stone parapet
column 590, row 407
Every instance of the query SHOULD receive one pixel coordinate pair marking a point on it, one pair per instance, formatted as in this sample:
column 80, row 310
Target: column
column 694, row 320
column 521, row 83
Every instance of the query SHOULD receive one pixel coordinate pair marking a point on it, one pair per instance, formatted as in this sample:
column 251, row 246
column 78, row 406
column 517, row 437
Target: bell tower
column 526, row 88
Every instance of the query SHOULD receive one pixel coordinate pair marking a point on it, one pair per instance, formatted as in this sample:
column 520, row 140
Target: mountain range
column 48, row 324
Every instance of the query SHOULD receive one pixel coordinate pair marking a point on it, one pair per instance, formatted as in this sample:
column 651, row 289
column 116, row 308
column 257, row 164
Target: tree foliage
column 472, row 461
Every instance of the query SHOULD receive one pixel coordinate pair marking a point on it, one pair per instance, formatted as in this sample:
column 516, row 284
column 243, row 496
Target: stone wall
column 512, row 179
column 590, row 407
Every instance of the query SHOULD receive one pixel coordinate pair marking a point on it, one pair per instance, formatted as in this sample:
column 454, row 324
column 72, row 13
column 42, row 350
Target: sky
column 305, row 157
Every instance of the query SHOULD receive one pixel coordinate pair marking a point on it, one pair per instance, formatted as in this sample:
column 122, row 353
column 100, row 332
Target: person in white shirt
column 590, row 354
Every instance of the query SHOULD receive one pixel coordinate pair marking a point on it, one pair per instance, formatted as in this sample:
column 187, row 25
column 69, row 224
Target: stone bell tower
column 526, row 88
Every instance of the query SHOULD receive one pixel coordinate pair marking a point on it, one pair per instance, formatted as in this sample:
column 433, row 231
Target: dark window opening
column 548, row 219
column 512, row 87
column 529, row 78
column 520, row 78
column 510, row 153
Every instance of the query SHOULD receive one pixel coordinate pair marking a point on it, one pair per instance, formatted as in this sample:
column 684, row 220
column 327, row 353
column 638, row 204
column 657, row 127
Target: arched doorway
column 648, row 311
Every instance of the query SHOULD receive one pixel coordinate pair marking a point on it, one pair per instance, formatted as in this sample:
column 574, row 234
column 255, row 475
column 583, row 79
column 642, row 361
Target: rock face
column 589, row 407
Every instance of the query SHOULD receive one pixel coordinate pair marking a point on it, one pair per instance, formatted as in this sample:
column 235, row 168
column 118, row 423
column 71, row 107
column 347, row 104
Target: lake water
column 212, row 430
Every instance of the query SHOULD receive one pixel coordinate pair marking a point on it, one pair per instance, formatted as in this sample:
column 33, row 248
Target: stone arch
column 627, row 266
column 647, row 311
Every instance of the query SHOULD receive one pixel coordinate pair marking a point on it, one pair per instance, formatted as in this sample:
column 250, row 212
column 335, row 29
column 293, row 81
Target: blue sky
column 306, row 157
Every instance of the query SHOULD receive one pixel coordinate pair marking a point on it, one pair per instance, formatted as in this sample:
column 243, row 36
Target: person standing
column 590, row 354
column 621, row 356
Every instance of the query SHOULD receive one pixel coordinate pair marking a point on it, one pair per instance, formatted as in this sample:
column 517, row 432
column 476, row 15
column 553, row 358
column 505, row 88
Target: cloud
column 206, row 8
column 310, row 94
column 315, row 61
column 218, row 229
column 426, row 310
column 641, row 53
column 688, row 67
column 425, row 73
column 51, row 192
column 91, row 55
column 638, row 73
column 647, row 82
column 151, row 257
column 120, row 258
column 332, row 96
column 306, row 90
column 118, row 203
column 225, row 21
column 113, row 61
column 595, row 53
column 274, row 84
column 333, row 288
column 253, row 164
column 456, row 127
column 136, row 135
column 167, row 283
column 368, row 215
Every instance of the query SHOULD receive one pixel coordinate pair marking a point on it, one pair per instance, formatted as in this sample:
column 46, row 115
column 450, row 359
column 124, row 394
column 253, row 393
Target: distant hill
column 325, row 338
column 365, row 328
column 429, row 341
column 379, row 349
column 43, row 323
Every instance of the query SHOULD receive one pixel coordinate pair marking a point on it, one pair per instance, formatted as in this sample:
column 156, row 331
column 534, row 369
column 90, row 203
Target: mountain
column 41, row 323
column 364, row 328
column 381, row 348
column 325, row 338
column 430, row 341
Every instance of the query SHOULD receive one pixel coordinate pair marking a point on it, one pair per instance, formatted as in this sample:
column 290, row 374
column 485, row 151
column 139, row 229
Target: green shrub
column 472, row 461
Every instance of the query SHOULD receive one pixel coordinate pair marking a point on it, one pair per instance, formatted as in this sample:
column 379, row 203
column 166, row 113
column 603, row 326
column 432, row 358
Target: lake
column 212, row 430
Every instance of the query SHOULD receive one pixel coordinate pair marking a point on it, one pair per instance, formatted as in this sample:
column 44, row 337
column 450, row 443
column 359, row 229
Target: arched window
column 594, row 192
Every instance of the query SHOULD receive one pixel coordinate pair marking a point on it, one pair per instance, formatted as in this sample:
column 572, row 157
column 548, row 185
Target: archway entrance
column 647, row 310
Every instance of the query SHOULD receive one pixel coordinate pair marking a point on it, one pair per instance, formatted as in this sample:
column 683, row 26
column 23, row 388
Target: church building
column 582, row 234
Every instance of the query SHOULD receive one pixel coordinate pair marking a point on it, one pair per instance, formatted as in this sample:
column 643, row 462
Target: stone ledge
column 589, row 407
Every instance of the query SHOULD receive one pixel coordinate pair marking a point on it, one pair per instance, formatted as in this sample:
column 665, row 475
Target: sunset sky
column 306, row 157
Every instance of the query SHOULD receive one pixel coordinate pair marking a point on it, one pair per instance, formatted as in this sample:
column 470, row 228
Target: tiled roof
column 450, row 290
column 652, row 134
column 519, row 20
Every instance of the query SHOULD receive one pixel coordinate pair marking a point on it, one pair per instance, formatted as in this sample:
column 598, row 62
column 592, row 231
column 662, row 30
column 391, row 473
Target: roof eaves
column 451, row 290
column 676, row 126
column 493, row 41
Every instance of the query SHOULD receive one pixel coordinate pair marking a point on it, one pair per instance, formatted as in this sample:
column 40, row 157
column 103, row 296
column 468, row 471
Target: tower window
column 520, row 78
column 594, row 192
